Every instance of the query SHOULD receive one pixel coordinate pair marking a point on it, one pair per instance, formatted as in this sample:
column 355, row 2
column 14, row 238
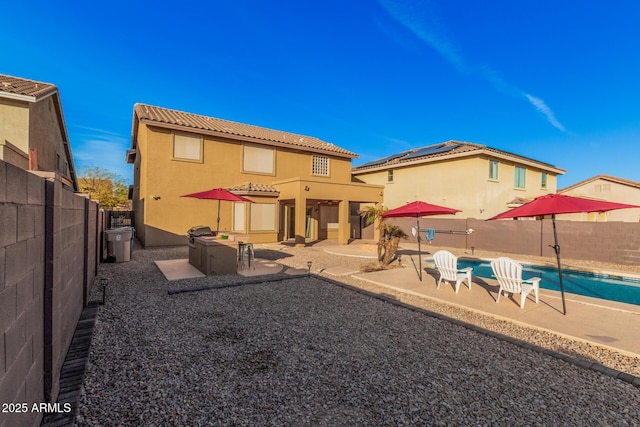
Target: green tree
column 109, row 189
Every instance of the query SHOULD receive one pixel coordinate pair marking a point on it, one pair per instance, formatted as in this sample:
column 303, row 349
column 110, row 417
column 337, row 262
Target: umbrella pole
column 556, row 248
column 218, row 220
column 419, row 252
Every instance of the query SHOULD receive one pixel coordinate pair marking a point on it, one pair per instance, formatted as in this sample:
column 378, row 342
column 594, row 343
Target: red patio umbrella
column 552, row 204
column 418, row 209
column 218, row 194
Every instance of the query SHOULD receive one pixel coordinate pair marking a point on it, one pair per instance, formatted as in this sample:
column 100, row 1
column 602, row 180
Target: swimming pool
column 603, row 286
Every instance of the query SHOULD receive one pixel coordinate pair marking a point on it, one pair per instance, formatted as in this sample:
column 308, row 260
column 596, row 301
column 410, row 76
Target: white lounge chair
column 509, row 276
column 447, row 264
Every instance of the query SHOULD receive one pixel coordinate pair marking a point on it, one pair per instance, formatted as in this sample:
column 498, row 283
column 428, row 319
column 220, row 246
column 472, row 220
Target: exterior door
column 290, row 222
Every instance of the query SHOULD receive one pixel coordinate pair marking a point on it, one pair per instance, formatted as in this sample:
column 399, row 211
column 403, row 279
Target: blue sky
column 557, row 81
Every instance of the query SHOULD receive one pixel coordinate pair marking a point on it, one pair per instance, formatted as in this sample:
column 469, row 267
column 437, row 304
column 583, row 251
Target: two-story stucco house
column 610, row 189
column 300, row 186
column 33, row 135
column 478, row 180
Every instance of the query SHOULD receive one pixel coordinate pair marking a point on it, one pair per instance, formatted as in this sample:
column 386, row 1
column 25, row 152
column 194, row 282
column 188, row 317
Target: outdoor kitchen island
column 216, row 255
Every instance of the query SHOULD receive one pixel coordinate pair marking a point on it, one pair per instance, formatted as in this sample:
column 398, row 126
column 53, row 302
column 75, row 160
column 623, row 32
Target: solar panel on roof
column 431, row 149
column 383, row 160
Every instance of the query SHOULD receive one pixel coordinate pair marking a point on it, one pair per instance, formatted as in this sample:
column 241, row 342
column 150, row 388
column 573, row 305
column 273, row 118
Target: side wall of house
column 48, row 264
column 462, row 183
column 167, row 217
column 603, row 189
column 14, row 132
column 46, row 137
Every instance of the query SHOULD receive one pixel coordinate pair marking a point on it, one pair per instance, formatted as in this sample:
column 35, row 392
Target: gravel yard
column 303, row 351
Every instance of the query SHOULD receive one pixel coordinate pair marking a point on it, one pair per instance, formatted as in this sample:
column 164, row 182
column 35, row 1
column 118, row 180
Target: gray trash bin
column 119, row 243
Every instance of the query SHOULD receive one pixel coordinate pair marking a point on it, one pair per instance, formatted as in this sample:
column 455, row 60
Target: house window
column 519, row 177
column 263, row 217
column 238, row 216
column 543, row 182
column 390, row 175
column 187, row 147
column 493, row 169
column 320, row 165
column 258, row 159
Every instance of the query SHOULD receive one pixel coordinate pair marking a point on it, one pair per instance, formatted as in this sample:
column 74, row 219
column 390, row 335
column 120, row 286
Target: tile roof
column 442, row 150
column 162, row 116
column 249, row 187
column 25, row 87
column 519, row 201
column 603, row 177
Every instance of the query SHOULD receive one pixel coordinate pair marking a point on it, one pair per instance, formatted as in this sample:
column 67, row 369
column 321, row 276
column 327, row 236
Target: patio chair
column 509, row 276
column 447, row 265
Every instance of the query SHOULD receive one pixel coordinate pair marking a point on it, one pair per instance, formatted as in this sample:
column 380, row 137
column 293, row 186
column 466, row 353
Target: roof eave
column 17, row 96
column 242, row 138
column 515, row 159
column 26, row 98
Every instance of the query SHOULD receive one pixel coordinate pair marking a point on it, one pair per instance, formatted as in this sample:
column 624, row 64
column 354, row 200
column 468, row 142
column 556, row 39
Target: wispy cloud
column 100, row 148
column 544, row 109
column 420, row 18
column 425, row 25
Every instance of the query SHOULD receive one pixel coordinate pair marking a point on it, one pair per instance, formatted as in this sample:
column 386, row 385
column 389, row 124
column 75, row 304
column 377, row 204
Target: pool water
column 595, row 285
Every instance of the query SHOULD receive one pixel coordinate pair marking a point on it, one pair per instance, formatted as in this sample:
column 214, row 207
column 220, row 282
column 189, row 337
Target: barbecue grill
column 199, row 230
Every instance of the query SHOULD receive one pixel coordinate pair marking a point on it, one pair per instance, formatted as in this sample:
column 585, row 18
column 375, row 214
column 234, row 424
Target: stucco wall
column 462, row 183
column 14, row 128
column 45, row 135
column 47, row 264
column 610, row 191
column 165, row 219
column 33, row 125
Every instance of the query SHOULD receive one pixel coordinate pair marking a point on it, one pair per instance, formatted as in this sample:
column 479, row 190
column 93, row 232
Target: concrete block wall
column 64, row 293
column 22, row 230
column 48, row 263
column 606, row 241
column 615, row 242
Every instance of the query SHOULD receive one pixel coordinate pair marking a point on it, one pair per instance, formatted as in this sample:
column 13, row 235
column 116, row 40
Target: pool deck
column 605, row 323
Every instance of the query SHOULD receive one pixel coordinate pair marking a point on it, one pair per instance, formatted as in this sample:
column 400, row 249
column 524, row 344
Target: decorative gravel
column 303, row 351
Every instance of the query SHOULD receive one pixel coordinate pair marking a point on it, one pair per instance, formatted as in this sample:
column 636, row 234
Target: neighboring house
column 301, row 186
column 610, row 189
column 33, row 135
column 478, row 180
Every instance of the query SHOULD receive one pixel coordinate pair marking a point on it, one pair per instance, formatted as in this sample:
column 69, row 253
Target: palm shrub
column 390, row 235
